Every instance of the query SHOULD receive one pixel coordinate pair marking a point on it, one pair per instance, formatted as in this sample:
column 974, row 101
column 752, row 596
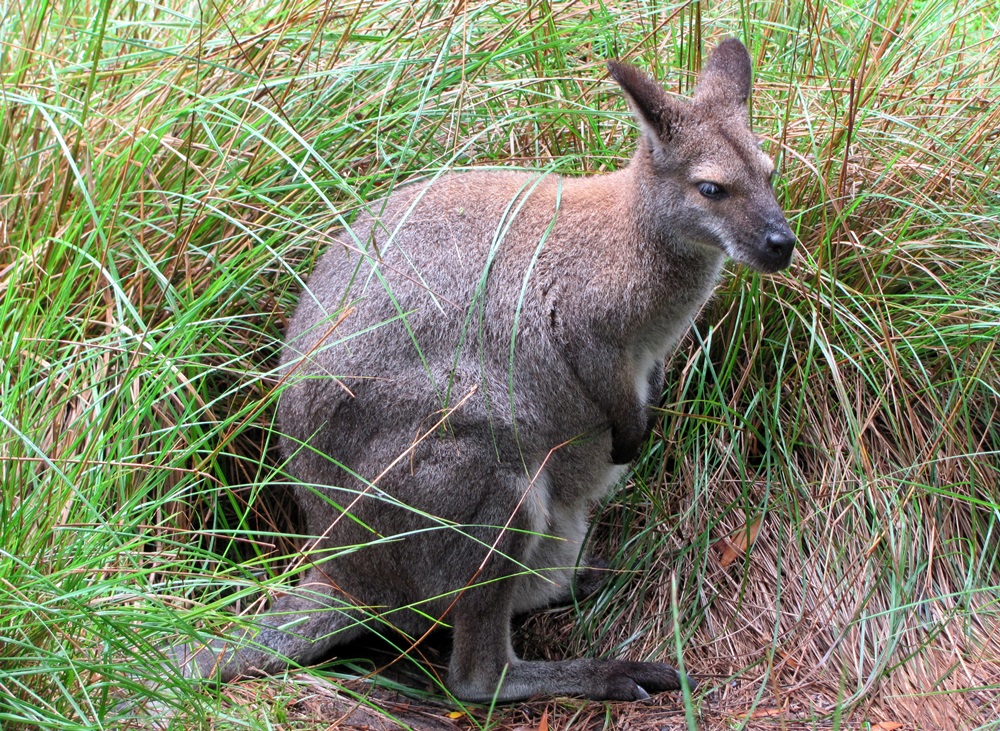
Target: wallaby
column 472, row 367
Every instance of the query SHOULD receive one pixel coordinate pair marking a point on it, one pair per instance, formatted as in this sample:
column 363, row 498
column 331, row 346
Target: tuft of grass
column 168, row 175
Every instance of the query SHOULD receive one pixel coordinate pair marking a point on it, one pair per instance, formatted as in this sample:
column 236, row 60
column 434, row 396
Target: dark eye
column 712, row 191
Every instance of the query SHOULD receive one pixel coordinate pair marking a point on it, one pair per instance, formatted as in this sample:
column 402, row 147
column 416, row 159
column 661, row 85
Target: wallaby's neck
column 652, row 277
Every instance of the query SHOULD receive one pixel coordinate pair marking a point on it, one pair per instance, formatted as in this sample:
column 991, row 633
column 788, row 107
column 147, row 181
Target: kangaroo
column 472, row 368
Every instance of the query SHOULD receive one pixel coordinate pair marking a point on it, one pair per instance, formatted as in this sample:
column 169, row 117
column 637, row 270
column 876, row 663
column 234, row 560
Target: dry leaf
column 543, row 723
column 766, row 712
column 736, row 543
column 455, row 714
column 786, row 658
column 887, row 726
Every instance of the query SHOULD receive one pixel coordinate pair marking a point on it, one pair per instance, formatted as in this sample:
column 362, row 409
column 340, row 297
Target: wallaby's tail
column 300, row 628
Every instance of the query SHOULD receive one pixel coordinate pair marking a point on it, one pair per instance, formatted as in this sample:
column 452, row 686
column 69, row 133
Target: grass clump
column 168, row 174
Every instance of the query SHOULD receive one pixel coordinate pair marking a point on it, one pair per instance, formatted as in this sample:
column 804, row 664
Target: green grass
column 168, row 175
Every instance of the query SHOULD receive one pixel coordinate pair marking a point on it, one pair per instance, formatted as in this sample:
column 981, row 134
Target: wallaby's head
column 703, row 173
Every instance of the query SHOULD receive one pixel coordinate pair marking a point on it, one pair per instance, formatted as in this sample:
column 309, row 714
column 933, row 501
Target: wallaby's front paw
column 590, row 579
column 624, row 447
column 628, row 439
column 636, row 681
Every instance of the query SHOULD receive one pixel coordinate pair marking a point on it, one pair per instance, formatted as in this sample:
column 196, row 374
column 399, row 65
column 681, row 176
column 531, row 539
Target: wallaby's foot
column 622, row 680
column 600, row 680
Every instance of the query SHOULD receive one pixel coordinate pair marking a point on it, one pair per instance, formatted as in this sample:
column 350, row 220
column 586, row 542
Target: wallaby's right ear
column 656, row 113
column 726, row 78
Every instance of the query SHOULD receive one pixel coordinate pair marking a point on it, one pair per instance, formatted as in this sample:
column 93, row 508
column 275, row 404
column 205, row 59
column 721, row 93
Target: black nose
column 781, row 244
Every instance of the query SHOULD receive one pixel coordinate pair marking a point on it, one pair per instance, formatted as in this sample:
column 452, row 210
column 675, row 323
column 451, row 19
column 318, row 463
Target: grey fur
column 468, row 421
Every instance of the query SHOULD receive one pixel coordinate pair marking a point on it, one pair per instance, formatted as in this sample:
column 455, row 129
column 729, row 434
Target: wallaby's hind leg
column 300, row 627
column 484, row 667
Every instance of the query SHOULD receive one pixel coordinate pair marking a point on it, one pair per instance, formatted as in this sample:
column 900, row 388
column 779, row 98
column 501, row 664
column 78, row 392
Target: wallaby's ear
column 725, row 80
column 656, row 113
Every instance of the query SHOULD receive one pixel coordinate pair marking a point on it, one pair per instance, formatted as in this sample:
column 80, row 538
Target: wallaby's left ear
column 726, row 78
column 657, row 114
